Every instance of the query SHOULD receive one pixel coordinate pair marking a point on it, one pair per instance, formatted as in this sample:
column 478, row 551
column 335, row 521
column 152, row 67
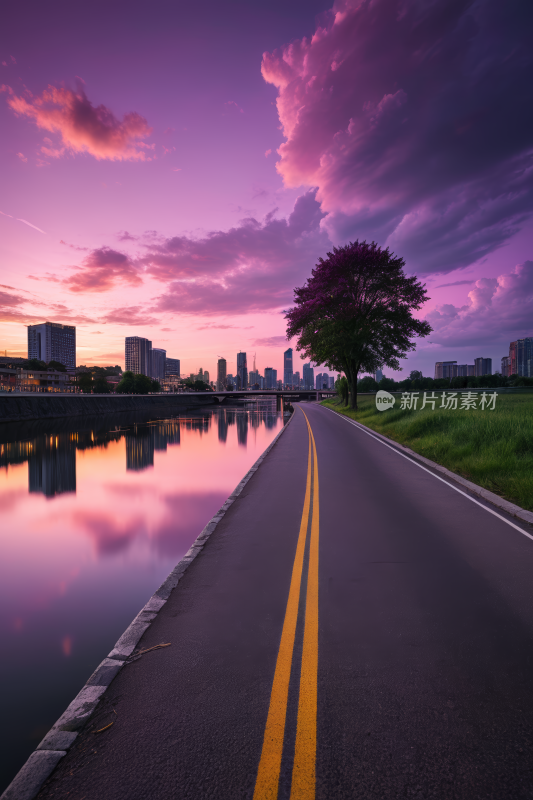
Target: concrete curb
column 60, row 738
column 490, row 497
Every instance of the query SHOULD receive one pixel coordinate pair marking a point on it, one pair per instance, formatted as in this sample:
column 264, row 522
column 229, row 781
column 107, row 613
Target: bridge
column 279, row 394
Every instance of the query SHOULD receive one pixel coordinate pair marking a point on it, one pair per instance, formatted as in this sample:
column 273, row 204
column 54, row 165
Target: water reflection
column 52, row 457
column 102, row 512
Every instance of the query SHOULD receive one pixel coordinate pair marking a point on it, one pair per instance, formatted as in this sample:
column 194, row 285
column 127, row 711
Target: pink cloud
column 497, row 309
column 268, row 152
column 83, row 127
column 254, row 266
column 73, row 246
column 130, row 315
column 101, row 270
column 410, row 119
column 232, row 104
column 22, row 157
column 15, row 308
column 270, row 341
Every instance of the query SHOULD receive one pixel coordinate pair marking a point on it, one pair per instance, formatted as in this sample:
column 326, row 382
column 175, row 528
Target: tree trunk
column 351, row 376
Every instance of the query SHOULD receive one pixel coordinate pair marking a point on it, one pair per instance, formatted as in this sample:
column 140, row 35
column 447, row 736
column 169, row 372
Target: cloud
column 22, row 157
column 412, row 120
column 124, row 236
column 73, row 246
column 497, row 309
column 168, row 329
column 268, row 152
column 254, row 266
column 83, row 128
column 101, row 270
column 455, row 283
column 15, row 308
column 225, row 327
column 231, row 104
column 130, row 315
column 270, row 341
column 25, row 221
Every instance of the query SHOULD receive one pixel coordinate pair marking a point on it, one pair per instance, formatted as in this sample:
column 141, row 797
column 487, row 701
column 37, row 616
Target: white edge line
column 417, row 464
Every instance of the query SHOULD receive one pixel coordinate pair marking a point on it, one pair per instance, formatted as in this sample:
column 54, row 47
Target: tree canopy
column 132, row 383
column 354, row 314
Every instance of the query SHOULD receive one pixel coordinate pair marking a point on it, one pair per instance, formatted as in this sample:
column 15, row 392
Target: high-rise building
column 445, row 369
column 172, row 367
column 378, row 375
column 253, row 378
column 524, row 354
column 271, row 378
column 242, row 371
column 322, row 380
column 512, row 359
column 221, row 375
column 139, row 355
column 51, row 341
column 159, row 358
column 295, row 380
column 483, row 366
column 309, row 376
column 287, row 367
column 332, row 381
column 505, row 366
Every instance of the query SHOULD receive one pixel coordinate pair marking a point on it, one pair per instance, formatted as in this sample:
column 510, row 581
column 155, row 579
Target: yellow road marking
column 267, row 782
column 304, row 766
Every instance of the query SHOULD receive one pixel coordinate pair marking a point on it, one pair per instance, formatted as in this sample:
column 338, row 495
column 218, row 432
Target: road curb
column 510, row 508
column 41, row 763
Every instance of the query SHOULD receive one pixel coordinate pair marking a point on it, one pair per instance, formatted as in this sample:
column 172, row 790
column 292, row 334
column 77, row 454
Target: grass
column 491, row 448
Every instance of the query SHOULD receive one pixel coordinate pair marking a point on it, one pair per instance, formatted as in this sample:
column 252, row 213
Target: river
column 94, row 515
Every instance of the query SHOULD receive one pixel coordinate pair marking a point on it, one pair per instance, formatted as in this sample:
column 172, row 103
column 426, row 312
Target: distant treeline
column 368, row 384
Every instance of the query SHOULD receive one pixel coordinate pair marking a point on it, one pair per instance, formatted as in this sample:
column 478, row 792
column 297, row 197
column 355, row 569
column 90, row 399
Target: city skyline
column 192, row 222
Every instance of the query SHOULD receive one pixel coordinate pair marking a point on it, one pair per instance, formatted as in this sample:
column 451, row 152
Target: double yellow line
column 303, row 771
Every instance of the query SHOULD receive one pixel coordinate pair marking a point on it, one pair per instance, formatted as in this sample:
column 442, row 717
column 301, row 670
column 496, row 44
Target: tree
column 57, row 365
column 156, row 386
column 101, row 386
column 341, row 385
column 354, row 313
column 127, row 384
column 197, row 386
column 415, row 374
column 85, row 382
column 132, row 383
column 387, row 384
column 34, row 363
column 367, row 384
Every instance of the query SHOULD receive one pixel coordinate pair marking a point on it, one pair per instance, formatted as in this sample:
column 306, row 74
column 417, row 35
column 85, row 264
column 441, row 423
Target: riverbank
column 493, row 449
column 21, row 407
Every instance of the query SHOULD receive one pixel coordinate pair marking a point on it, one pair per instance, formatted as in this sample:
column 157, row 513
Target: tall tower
column 242, row 371
column 159, row 358
column 139, row 355
column 221, row 374
column 287, row 367
column 51, row 341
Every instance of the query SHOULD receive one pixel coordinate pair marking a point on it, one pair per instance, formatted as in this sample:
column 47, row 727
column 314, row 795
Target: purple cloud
column 101, row 270
column 414, row 122
column 254, row 266
column 503, row 304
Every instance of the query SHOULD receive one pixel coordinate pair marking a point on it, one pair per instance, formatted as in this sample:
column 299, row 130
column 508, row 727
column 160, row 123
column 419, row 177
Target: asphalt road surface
column 355, row 628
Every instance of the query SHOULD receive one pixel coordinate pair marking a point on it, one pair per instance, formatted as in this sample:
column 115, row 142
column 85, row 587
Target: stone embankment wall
column 19, row 407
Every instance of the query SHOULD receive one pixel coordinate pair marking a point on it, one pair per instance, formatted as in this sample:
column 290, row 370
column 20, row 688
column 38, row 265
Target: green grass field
column 491, row 448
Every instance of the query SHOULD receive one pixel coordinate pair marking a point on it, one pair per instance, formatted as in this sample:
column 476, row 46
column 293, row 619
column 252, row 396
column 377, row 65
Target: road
column 355, row 628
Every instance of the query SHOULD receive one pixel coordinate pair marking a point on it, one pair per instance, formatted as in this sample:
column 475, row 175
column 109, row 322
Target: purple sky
column 174, row 171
